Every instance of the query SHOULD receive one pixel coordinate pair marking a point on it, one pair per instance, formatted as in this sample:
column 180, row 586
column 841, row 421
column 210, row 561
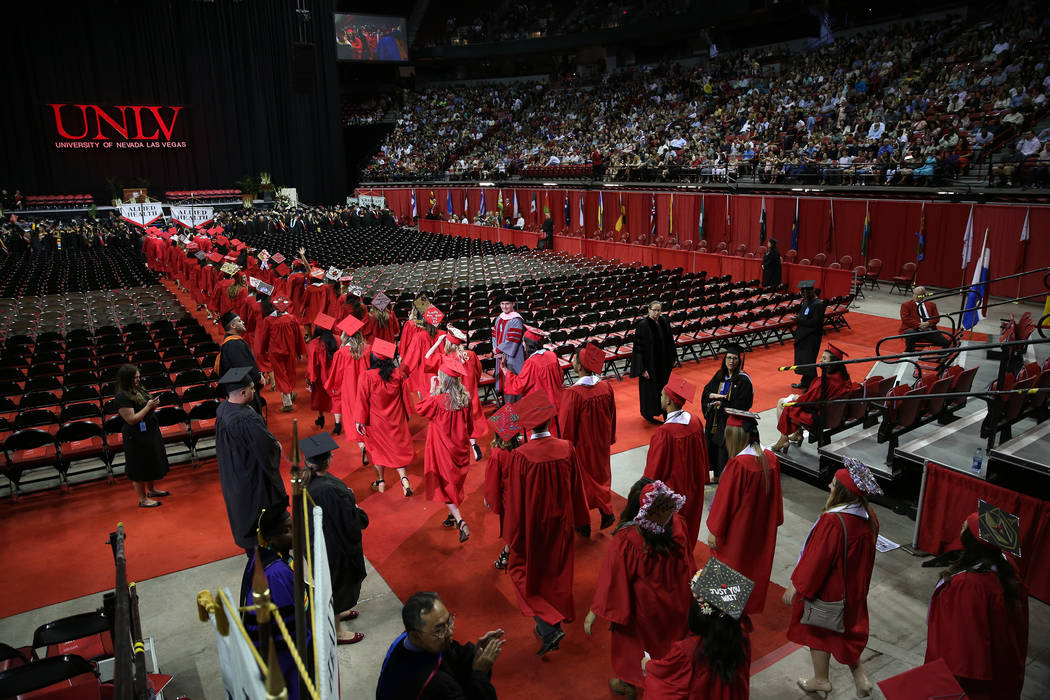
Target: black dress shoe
column 584, row 531
column 797, row 386
column 338, row 429
column 551, row 643
column 476, row 449
column 607, row 520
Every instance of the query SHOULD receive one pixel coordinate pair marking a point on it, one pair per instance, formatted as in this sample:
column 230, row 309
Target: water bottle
column 978, row 460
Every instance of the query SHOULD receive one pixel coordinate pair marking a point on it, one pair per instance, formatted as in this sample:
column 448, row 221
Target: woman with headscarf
column 748, row 507
column 447, row 455
column 978, row 617
column 383, row 417
column 835, row 383
column 835, row 565
column 643, row 585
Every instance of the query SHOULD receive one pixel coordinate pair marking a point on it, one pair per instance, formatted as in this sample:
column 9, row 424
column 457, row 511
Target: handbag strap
column 845, row 537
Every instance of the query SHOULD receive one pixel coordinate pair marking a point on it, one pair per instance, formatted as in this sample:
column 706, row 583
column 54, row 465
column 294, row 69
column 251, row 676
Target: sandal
column 809, row 685
column 796, row 438
column 502, row 560
column 450, row 521
column 406, row 486
column 154, row 504
column 379, row 486
column 464, row 531
column 158, row 494
column 364, row 456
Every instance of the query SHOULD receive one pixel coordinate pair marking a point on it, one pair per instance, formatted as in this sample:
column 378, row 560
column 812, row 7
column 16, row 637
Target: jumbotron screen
column 370, row 38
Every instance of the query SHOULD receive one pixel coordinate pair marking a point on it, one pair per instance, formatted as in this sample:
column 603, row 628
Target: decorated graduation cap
column 264, row 254
column 837, row 352
column 932, row 680
column 741, row 419
column 993, row 525
column 433, row 315
column 346, row 279
column 535, row 409
column 227, row 318
column 722, row 588
column 200, row 255
column 806, row 284
column 453, row 367
column 350, row 325
column 857, row 478
column 277, row 258
column 253, row 282
column 235, row 378
column 659, row 495
column 334, row 273
column 323, row 320
column 269, row 520
column 265, row 288
column 317, row 448
column 229, row 268
column 507, row 421
column 455, row 335
column 214, row 257
column 380, row 301
column 355, row 289
column 281, row 303
column 383, row 349
column 316, row 273
column 592, row 357
column 282, row 269
column 680, row 389
column 421, row 302
column 533, row 333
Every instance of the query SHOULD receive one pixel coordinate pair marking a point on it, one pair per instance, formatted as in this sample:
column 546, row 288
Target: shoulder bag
column 828, row 614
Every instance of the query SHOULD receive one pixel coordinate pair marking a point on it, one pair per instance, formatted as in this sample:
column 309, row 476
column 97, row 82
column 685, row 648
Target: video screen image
column 370, row 38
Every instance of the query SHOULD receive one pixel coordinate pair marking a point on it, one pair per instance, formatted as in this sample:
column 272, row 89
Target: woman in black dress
column 654, row 358
column 145, row 459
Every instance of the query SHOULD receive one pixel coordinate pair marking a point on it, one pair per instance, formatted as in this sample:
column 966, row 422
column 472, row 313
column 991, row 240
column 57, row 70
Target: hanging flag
column 532, row 207
column 670, row 217
column 794, row 229
column 546, row 204
column 499, row 205
column 920, row 244
column 1022, row 249
column 568, row 212
column 976, row 308
column 481, row 209
column 448, row 203
column 652, row 218
column 466, row 204
column 967, row 244
column 433, row 201
column 622, row 217
column 729, row 220
column 830, row 242
column 700, row 226
column 415, row 214
column 600, row 212
column 515, row 204
column 865, row 237
column 581, row 214
column 762, row 224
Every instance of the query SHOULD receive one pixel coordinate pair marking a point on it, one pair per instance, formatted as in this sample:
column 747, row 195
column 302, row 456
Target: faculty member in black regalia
column 808, row 333
column 730, row 387
column 654, row 358
column 234, row 351
column 771, row 265
column 248, row 455
column 342, row 522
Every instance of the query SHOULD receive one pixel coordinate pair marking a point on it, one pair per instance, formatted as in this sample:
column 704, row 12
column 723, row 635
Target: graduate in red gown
column 348, row 364
column 382, row 321
column 383, row 416
column 544, row 502
column 978, row 617
column 822, row 573
column 319, row 352
column 455, row 344
column 281, row 338
column 224, row 295
column 678, row 452
column 834, row 383
column 748, row 506
column 447, row 455
column 421, row 364
column 496, row 471
column 588, row 420
column 317, row 299
column 713, row 661
column 643, row 585
column 541, row 370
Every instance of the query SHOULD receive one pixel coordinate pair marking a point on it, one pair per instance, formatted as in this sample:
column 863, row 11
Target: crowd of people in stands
column 906, row 104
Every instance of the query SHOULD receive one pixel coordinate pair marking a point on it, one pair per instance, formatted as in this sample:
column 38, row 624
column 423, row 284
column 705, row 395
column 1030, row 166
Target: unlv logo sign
column 119, row 126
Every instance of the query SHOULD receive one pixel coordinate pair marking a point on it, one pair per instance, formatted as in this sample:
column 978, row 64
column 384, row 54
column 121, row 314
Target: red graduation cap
column 533, row 333
column 455, row 335
column 383, row 348
column 837, row 353
column 592, row 358
column 277, row 258
column 433, row 315
column 932, row 680
column 506, row 421
column 230, row 257
column 281, row 303
column 453, row 367
column 282, row 270
column 738, row 418
column 680, row 389
column 350, row 325
column 323, row 320
column 222, row 240
column 236, row 243
column 536, row 408
column 346, row 279
column 317, row 273
column 214, row 257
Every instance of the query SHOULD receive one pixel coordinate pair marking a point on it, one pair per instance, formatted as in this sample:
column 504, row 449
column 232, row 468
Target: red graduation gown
column 645, row 597
column 543, row 503
column 496, row 468
column 744, row 517
column 317, row 362
column 281, row 338
column 385, row 419
column 253, row 323
column 795, row 417
column 818, row 574
column 219, row 301
column 480, row 428
column 541, row 370
column 387, row 331
column 316, row 301
column 420, row 367
column 980, row 635
column 407, row 331
column 343, row 375
column 677, row 677
column 678, row 457
column 588, row 420
column 447, row 455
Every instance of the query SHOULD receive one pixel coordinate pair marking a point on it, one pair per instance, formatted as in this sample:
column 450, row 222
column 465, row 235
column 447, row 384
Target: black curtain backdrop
column 248, row 107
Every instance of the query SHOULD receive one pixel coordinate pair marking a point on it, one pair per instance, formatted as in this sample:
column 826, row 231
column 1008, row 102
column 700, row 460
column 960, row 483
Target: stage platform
column 1028, row 450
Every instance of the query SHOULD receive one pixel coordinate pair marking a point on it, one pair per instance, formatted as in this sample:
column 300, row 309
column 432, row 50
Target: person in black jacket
column 730, row 387
column 425, row 663
column 808, row 333
column 654, row 358
column 771, row 265
column 546, row 242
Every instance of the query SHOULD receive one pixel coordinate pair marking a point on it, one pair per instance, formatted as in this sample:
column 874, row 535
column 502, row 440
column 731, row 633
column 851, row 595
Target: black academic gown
column 771, row 268
column 808, row 334
column 741, row 394
column 249, row 467
column 419, row 675
column 237, row 353
column 342, row 523
column 654, row 352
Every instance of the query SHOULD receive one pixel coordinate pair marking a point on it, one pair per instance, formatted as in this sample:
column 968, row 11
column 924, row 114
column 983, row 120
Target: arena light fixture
column 550, row 184
column 610, row 184
column 486, row 184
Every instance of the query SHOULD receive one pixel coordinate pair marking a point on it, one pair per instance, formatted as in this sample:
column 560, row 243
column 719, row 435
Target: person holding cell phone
column 145, row 459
